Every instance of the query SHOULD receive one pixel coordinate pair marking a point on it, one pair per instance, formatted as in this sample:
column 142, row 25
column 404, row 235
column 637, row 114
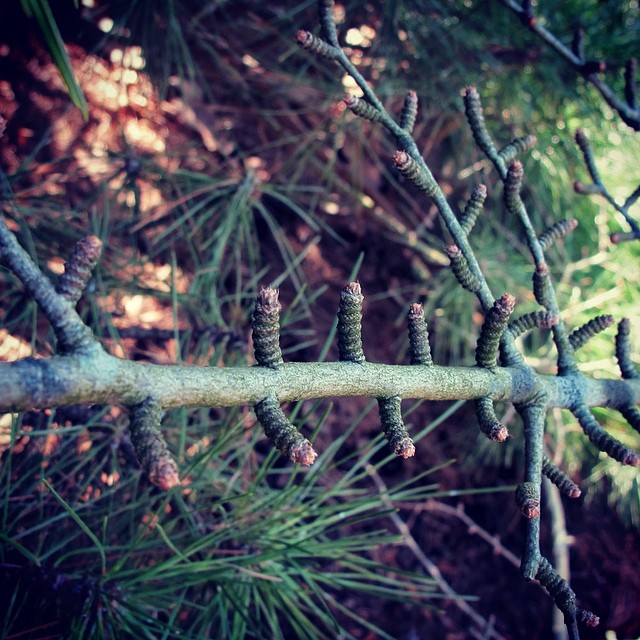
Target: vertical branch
column 542, row 287
column 528, row 493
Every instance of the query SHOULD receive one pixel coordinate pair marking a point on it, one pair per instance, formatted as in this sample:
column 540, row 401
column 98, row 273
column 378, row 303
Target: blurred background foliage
column 217, row 157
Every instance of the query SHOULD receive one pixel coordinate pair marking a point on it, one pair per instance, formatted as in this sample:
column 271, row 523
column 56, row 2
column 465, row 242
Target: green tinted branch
column 627, row 108
column 101, row 378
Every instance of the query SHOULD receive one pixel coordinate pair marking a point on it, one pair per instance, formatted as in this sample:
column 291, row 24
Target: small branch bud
column 316, row 45
column 78, row 268
column 623, row 351
column 601, row 439
column 150, row 446
column 475, row 117
column 328, row 22
column 72, row 334
column 419, row 346
column 492, row 329
column 394, row 430
column 412, row 171
column 535, row 319
column 558, row 589
column 580, row 336
column 489, row 423
column 460, row 268
column 528, row 499
column 409, row 111
column 517, row 147
column 564, row 483
column 350, row 324
column 587, row 618
column 587, row 189
column 512, row 186
column 282, row 434
column 473, row 208
column 362, row 108
column 542, row 287
column 631, row 414
column 265, row 323
column 556, row 231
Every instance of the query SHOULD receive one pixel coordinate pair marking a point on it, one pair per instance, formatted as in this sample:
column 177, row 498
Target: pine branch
column 494, row 337
column 626, row 106
column 597, row 187
column 589, row 69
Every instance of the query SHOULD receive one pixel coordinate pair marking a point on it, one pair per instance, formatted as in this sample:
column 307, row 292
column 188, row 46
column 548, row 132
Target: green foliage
column 41, row 11
column 244, row 541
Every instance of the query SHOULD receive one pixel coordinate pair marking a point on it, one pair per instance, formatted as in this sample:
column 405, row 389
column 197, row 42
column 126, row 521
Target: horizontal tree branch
column 97, row 377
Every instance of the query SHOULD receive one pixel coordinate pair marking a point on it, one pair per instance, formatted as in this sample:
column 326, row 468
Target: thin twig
column 484, row 625
column 474, row 528
column 629, row 114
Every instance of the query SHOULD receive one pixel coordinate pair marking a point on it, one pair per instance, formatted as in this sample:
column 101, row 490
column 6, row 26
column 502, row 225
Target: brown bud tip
column 575, row 492
column 631, row 459
column 499, row 433
column 588, row 618
column 594, row 66
column 353, row 288
column 405, row 448
column 400, row 158
column 416, row 309
column 530, row 509
column 470, row 91
column 165, row 474
column 304, row 453
column 528, row 499
column 452, row 250
column 268, row 298
column 587, row 189
column 350, row 100
column 542, row 269
column 506, row 304
column 91, row 247
column 516, row 169
column 303, row 37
